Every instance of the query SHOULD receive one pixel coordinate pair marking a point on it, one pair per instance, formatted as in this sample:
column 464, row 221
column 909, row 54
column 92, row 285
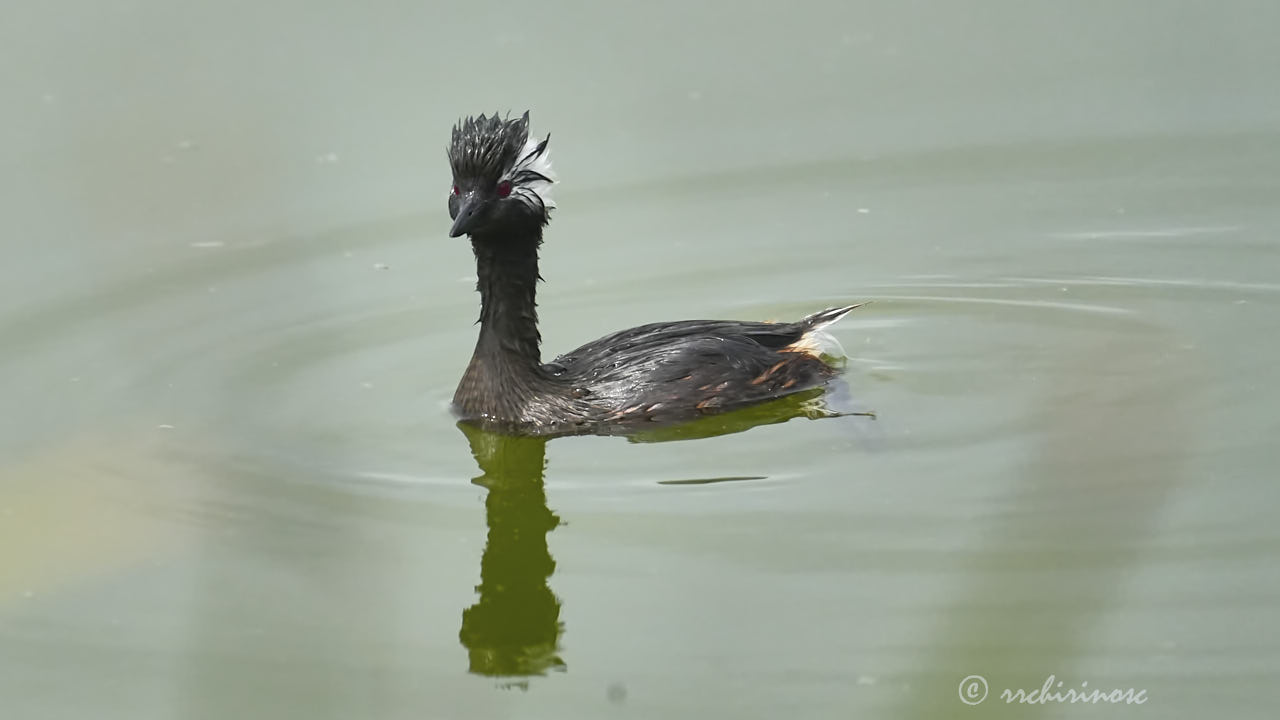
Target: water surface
column 231, row 321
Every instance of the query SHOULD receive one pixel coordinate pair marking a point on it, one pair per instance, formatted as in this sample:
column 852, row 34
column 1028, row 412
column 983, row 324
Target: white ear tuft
column 532, row 174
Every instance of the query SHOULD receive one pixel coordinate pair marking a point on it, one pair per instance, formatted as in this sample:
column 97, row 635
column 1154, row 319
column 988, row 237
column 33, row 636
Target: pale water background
column 230, row 321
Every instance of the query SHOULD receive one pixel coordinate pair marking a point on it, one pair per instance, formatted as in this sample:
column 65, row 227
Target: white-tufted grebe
column 659, row 373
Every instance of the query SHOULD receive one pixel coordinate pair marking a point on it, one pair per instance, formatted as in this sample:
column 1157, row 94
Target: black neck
column 507, row 278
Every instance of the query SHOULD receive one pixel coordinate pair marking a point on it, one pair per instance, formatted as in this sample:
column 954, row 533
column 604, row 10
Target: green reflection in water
column 811, row 404
column 514, row 628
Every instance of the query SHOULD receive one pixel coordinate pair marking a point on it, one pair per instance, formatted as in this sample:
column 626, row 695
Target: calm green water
column 231, row 320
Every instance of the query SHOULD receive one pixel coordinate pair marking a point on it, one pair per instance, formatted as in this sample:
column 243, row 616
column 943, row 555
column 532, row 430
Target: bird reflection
column 514, row 629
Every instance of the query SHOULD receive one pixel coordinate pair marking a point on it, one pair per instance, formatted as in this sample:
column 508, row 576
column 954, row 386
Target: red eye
column 455, row 190
column 504, row 188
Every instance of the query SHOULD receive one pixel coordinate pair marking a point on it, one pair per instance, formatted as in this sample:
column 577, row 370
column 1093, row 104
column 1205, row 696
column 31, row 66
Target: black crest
column 486, row 147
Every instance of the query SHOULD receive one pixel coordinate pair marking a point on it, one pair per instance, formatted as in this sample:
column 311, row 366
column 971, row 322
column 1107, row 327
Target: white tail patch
column 821, row 344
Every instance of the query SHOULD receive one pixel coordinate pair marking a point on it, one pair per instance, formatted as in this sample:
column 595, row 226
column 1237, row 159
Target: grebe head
column 501, row 178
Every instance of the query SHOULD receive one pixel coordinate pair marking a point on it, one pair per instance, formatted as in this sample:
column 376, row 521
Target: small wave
column 1154, row 233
